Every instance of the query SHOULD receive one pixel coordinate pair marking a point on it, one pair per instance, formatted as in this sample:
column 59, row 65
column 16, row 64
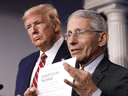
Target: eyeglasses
column 79, row 33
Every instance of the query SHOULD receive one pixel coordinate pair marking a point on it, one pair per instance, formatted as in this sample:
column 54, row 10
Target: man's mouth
column 75, row 51
column 36, row 38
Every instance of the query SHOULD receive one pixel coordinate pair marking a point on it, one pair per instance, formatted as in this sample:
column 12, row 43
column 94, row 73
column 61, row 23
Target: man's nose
column 73, row 39
column 34, row 30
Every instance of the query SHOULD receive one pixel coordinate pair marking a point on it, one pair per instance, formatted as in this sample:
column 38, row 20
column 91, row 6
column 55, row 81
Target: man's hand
column 32, row 91
column 83, row 84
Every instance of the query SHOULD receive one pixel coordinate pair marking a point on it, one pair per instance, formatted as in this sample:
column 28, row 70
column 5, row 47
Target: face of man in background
column 40, row 30
column 85, row 46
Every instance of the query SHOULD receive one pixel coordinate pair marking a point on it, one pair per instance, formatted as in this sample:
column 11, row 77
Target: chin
column 78, row 59
column 37, row 45
column 75, row 55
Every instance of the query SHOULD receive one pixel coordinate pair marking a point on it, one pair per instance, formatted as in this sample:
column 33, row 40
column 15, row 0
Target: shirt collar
column 92, row 66
column 53, row 50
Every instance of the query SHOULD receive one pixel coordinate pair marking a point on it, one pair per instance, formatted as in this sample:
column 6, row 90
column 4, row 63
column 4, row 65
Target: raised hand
column 83, row 84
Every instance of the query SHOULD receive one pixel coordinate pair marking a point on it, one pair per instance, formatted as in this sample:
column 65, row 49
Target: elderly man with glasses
column 97, row 75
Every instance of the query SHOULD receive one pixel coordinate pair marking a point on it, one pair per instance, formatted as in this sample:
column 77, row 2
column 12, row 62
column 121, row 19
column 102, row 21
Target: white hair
column 98, row 23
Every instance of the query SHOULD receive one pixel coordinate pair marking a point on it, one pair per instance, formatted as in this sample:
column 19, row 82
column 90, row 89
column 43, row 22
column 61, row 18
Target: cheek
column 47, row 32
column 87, row 47
column 48, row 36
column 90, row 48
column 68, row 45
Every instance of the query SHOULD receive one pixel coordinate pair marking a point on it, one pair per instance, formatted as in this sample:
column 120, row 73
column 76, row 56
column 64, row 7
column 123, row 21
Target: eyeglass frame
column 78, row 32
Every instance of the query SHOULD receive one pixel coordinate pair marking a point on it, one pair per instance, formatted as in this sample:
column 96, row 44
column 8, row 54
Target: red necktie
column 41, row 64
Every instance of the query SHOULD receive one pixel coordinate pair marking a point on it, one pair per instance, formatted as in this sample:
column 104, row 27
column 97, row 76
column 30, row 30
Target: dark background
column 64, row 7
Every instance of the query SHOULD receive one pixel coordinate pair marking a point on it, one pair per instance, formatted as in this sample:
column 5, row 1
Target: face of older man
column 40, row 30
column 85, row 45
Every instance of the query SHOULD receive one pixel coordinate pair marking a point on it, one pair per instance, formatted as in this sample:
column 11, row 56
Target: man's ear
column 56, row 27
column 103, row 38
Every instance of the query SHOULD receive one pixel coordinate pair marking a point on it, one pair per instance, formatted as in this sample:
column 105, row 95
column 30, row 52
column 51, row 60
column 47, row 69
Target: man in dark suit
column 97, row 76
column 44, row 28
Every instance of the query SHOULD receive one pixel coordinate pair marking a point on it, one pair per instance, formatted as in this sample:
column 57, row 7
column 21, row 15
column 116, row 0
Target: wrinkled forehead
column 81, row 18
column 79, row 22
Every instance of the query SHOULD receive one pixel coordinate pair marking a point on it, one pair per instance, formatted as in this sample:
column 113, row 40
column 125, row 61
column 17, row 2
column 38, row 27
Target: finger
column 34, row 90
column 69, row 83
column 68, row 67
column 18, row 95
column 31, row 91
column 27, row 92
column 74, row 73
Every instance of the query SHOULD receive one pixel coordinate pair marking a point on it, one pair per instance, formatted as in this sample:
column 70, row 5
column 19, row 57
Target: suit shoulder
column 118, row 70
column 110, row 66
column 34, row 54
column 118, row 67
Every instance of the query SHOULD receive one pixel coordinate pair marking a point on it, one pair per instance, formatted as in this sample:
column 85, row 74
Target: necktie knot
column 43, row 57
column 42, row 61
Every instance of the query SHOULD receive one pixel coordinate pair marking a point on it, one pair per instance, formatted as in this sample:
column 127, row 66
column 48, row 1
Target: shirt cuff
column 97, row 93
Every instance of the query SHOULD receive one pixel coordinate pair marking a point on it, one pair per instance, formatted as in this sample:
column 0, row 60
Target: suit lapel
column 31, row 64
column 97, row 77
column 63, row 53
column 98, row 73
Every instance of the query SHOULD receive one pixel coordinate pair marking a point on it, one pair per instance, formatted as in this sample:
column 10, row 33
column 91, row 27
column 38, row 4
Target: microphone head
column 1, row 86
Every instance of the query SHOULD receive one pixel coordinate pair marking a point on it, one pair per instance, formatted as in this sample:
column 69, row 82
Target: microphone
column 1, row 86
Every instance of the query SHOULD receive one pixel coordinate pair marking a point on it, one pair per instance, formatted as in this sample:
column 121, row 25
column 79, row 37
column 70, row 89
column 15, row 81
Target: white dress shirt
column 51, row 53
column 91, row 68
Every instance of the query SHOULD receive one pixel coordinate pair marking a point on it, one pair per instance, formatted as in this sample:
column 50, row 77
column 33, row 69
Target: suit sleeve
column 17, row 82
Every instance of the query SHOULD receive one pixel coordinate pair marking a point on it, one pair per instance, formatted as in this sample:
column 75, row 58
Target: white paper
column 51, row 79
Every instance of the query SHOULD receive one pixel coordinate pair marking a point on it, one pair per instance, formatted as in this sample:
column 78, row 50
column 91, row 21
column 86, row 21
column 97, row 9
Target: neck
column 88, row 61
column 47, row 47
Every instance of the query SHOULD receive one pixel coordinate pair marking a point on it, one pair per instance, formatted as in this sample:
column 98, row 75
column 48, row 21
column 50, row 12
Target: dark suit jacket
column 27, row 64
column 112, row 79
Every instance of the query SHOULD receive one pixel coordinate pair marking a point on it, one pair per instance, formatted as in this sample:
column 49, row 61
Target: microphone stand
column 1, row 86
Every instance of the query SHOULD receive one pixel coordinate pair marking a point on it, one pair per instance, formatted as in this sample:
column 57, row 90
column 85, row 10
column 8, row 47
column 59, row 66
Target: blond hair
column 47, row 9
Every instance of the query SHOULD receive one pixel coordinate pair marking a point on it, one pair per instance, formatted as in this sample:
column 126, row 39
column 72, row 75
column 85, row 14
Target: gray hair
column 98, row 23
